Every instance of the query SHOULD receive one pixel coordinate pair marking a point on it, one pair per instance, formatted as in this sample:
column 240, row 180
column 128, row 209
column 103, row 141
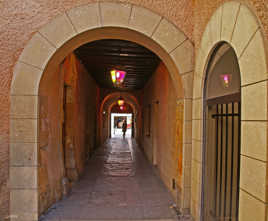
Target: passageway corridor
column 185, row 81
column 118, row 184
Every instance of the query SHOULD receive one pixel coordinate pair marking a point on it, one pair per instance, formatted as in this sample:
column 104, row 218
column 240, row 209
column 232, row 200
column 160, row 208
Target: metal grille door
column 223, row 162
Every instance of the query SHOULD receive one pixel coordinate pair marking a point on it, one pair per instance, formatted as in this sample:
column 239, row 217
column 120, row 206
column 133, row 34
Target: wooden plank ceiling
column 100, row 57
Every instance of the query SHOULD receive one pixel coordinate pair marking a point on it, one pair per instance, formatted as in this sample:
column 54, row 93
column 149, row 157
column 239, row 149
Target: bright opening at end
column 117, row 122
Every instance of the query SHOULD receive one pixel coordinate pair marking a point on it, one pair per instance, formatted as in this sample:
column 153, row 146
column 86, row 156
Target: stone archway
column 235, row 24
column 106, row 106
column 48, row 48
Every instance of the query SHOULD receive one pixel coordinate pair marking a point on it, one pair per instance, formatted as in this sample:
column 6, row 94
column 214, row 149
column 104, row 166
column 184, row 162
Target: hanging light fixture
column 120, row 101
column 118, row 76
column 226, row 80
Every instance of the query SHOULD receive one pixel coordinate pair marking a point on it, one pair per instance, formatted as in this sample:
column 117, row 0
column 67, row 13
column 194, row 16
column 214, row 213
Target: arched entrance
column 47, row 49
column 117, row 116
column 222, row 106
column 245, row 36
column 105, row 113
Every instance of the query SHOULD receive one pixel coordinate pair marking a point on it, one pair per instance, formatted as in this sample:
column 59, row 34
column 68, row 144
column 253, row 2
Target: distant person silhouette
column 124, row 128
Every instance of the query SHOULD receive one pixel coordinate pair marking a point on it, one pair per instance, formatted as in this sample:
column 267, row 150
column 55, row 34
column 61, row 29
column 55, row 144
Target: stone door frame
column 107, row 104
column 50, row 45
column 234, row 23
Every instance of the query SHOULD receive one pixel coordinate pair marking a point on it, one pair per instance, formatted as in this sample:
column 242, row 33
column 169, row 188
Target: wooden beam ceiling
column 100, row 57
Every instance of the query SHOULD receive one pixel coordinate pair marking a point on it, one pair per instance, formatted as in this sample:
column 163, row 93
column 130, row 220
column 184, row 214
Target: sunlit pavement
column 118, row 184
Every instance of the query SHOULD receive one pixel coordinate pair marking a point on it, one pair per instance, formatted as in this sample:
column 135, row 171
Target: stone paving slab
column 118, row 184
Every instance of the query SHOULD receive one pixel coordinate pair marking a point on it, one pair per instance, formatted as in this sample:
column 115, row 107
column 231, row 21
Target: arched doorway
column 118, row 114
column 249, row 45
column 222, row 105
column 46, row 51
column 105, row 113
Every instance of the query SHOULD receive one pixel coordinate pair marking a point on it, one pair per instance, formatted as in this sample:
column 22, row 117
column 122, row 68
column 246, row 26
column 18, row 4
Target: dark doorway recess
column 100, row 57
column 221, row 156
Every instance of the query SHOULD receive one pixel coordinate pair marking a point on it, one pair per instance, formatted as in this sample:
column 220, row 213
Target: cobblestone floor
column 119, row 184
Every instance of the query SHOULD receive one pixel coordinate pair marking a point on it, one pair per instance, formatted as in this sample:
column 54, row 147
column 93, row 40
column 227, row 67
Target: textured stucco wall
column 203, row 10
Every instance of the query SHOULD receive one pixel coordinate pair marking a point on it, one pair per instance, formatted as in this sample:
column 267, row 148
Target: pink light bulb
column 226, row 78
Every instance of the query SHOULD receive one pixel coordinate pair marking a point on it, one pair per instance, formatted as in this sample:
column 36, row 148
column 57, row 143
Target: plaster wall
column 163, row 144
column 51, row 168
column 81, row 111
column 58, row 158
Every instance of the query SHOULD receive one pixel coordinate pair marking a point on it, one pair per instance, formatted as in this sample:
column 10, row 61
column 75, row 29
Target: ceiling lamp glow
column 120, row 101
column 118, row 76
column 113, row 75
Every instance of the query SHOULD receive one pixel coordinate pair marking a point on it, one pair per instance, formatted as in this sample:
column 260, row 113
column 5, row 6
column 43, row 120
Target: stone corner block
column 200, row 63
column 198, row 87
column 23, row 154
column 37, row 52
column 215, row 25
column 229, row 14
column 24, row 107
column 197, row 109
column 85, row 17
column 253, row 65
column 250, row 208
column 183, row 57
column 23, row 202
column 168, row 35
column 25, row 80
column 187, row 80
column 24, row 217
column 23, row 130
column 254, row 102
column 59, row 30
column 143, row 20
column 23, row 177
column 197, row 130
column 254, row 139
column 246, row 26
column 115, row 14
column 187, row 132
column 206, row 42
column 253, row 177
